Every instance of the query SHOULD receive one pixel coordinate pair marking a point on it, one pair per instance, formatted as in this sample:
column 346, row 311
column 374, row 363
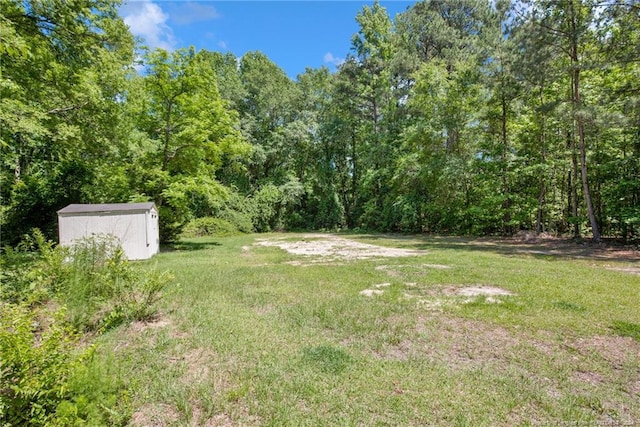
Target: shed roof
column 106, row 208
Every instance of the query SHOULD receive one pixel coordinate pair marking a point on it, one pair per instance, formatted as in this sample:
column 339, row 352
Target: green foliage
column 38, row 356
column 271, row 204
column 98, row 286
column 209, row 226
column 47, row 378
column 239, row 219
column 33, row 272
column 265, row 208
column 186, row 198
column 64, row 69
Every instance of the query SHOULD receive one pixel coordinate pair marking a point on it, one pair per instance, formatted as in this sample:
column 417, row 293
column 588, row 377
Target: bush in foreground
column 48, row 296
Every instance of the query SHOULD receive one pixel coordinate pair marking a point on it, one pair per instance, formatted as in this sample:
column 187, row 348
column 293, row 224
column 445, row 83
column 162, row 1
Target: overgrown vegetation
column 53, row 301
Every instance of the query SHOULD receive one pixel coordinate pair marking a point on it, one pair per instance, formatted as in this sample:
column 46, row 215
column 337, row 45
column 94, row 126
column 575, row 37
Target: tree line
column 470, row 117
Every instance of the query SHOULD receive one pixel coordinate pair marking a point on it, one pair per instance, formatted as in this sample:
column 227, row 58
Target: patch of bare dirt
column 336, row 248
column 312, row 263
column 154, row 415
column 468, row 343
column 480, row 290
column 457, row 342
column 547, row 245
column 588, row 377
column 219, row 420
column 196, row 363
column 401, row 351
column 158, row 322
column 371, row 292
column 618, row 351
column 147, row 331
column 391, row 271
column 376, row 291
column 435, row 298
column 437, row 266
column 264, row 309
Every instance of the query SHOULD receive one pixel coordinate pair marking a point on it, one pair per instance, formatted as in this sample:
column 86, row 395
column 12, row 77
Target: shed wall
column 130, row 229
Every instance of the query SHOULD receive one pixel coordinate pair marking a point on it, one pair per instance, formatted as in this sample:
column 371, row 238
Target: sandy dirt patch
column 617, row 351
column 371, row 292
column 196, row 364
column 333, row 247
column 436, row 298
column 154, row 415
column 542, row 246
column 455, row 342
column 139, row 332
column 475, row 291
column 220, row 420
column 152, row 324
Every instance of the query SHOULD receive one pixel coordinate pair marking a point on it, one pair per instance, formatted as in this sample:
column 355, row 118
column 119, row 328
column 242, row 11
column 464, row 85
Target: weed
column 103, row 290
column 327, row 358
column 627, row 329
column 564, row 305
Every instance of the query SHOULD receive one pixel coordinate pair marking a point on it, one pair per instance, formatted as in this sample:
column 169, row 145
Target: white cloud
column 222, row 44
column 189, row 12
column 333, row 60
column 148, row 21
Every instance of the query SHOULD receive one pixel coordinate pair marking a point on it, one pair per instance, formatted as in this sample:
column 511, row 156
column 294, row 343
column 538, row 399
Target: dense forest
column 470, row 117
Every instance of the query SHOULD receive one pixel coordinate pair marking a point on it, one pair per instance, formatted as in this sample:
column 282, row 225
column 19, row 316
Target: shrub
column 38, row 355
column 46, row 377
column 209, row 227
column 239, row 219
column 102, row 289
column 33, row 271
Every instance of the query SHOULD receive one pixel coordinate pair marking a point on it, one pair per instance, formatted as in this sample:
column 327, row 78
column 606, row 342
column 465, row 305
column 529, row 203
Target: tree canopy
column 469, row 117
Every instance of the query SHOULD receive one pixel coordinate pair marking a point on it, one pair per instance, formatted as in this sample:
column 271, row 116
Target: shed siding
column 135, row 230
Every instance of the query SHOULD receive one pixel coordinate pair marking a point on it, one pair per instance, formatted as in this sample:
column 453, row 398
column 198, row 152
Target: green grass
column 248, row 339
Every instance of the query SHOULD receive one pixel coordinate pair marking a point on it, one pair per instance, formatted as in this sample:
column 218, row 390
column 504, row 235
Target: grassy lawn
column 255, row 335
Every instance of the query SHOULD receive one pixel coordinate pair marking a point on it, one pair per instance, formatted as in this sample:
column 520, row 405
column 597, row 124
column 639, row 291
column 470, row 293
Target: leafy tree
column 64, row 70
column 191, row 133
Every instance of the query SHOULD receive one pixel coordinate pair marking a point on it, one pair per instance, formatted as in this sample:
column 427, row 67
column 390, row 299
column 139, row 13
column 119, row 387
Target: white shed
column 135, row 225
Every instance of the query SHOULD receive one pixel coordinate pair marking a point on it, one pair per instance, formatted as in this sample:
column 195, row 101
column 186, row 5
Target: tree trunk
column 577, row 104
column 572, row 186
column 543, row 158
column 506, row 205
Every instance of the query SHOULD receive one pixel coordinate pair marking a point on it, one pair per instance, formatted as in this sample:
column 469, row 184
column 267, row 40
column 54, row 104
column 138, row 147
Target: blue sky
column 293, row 34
